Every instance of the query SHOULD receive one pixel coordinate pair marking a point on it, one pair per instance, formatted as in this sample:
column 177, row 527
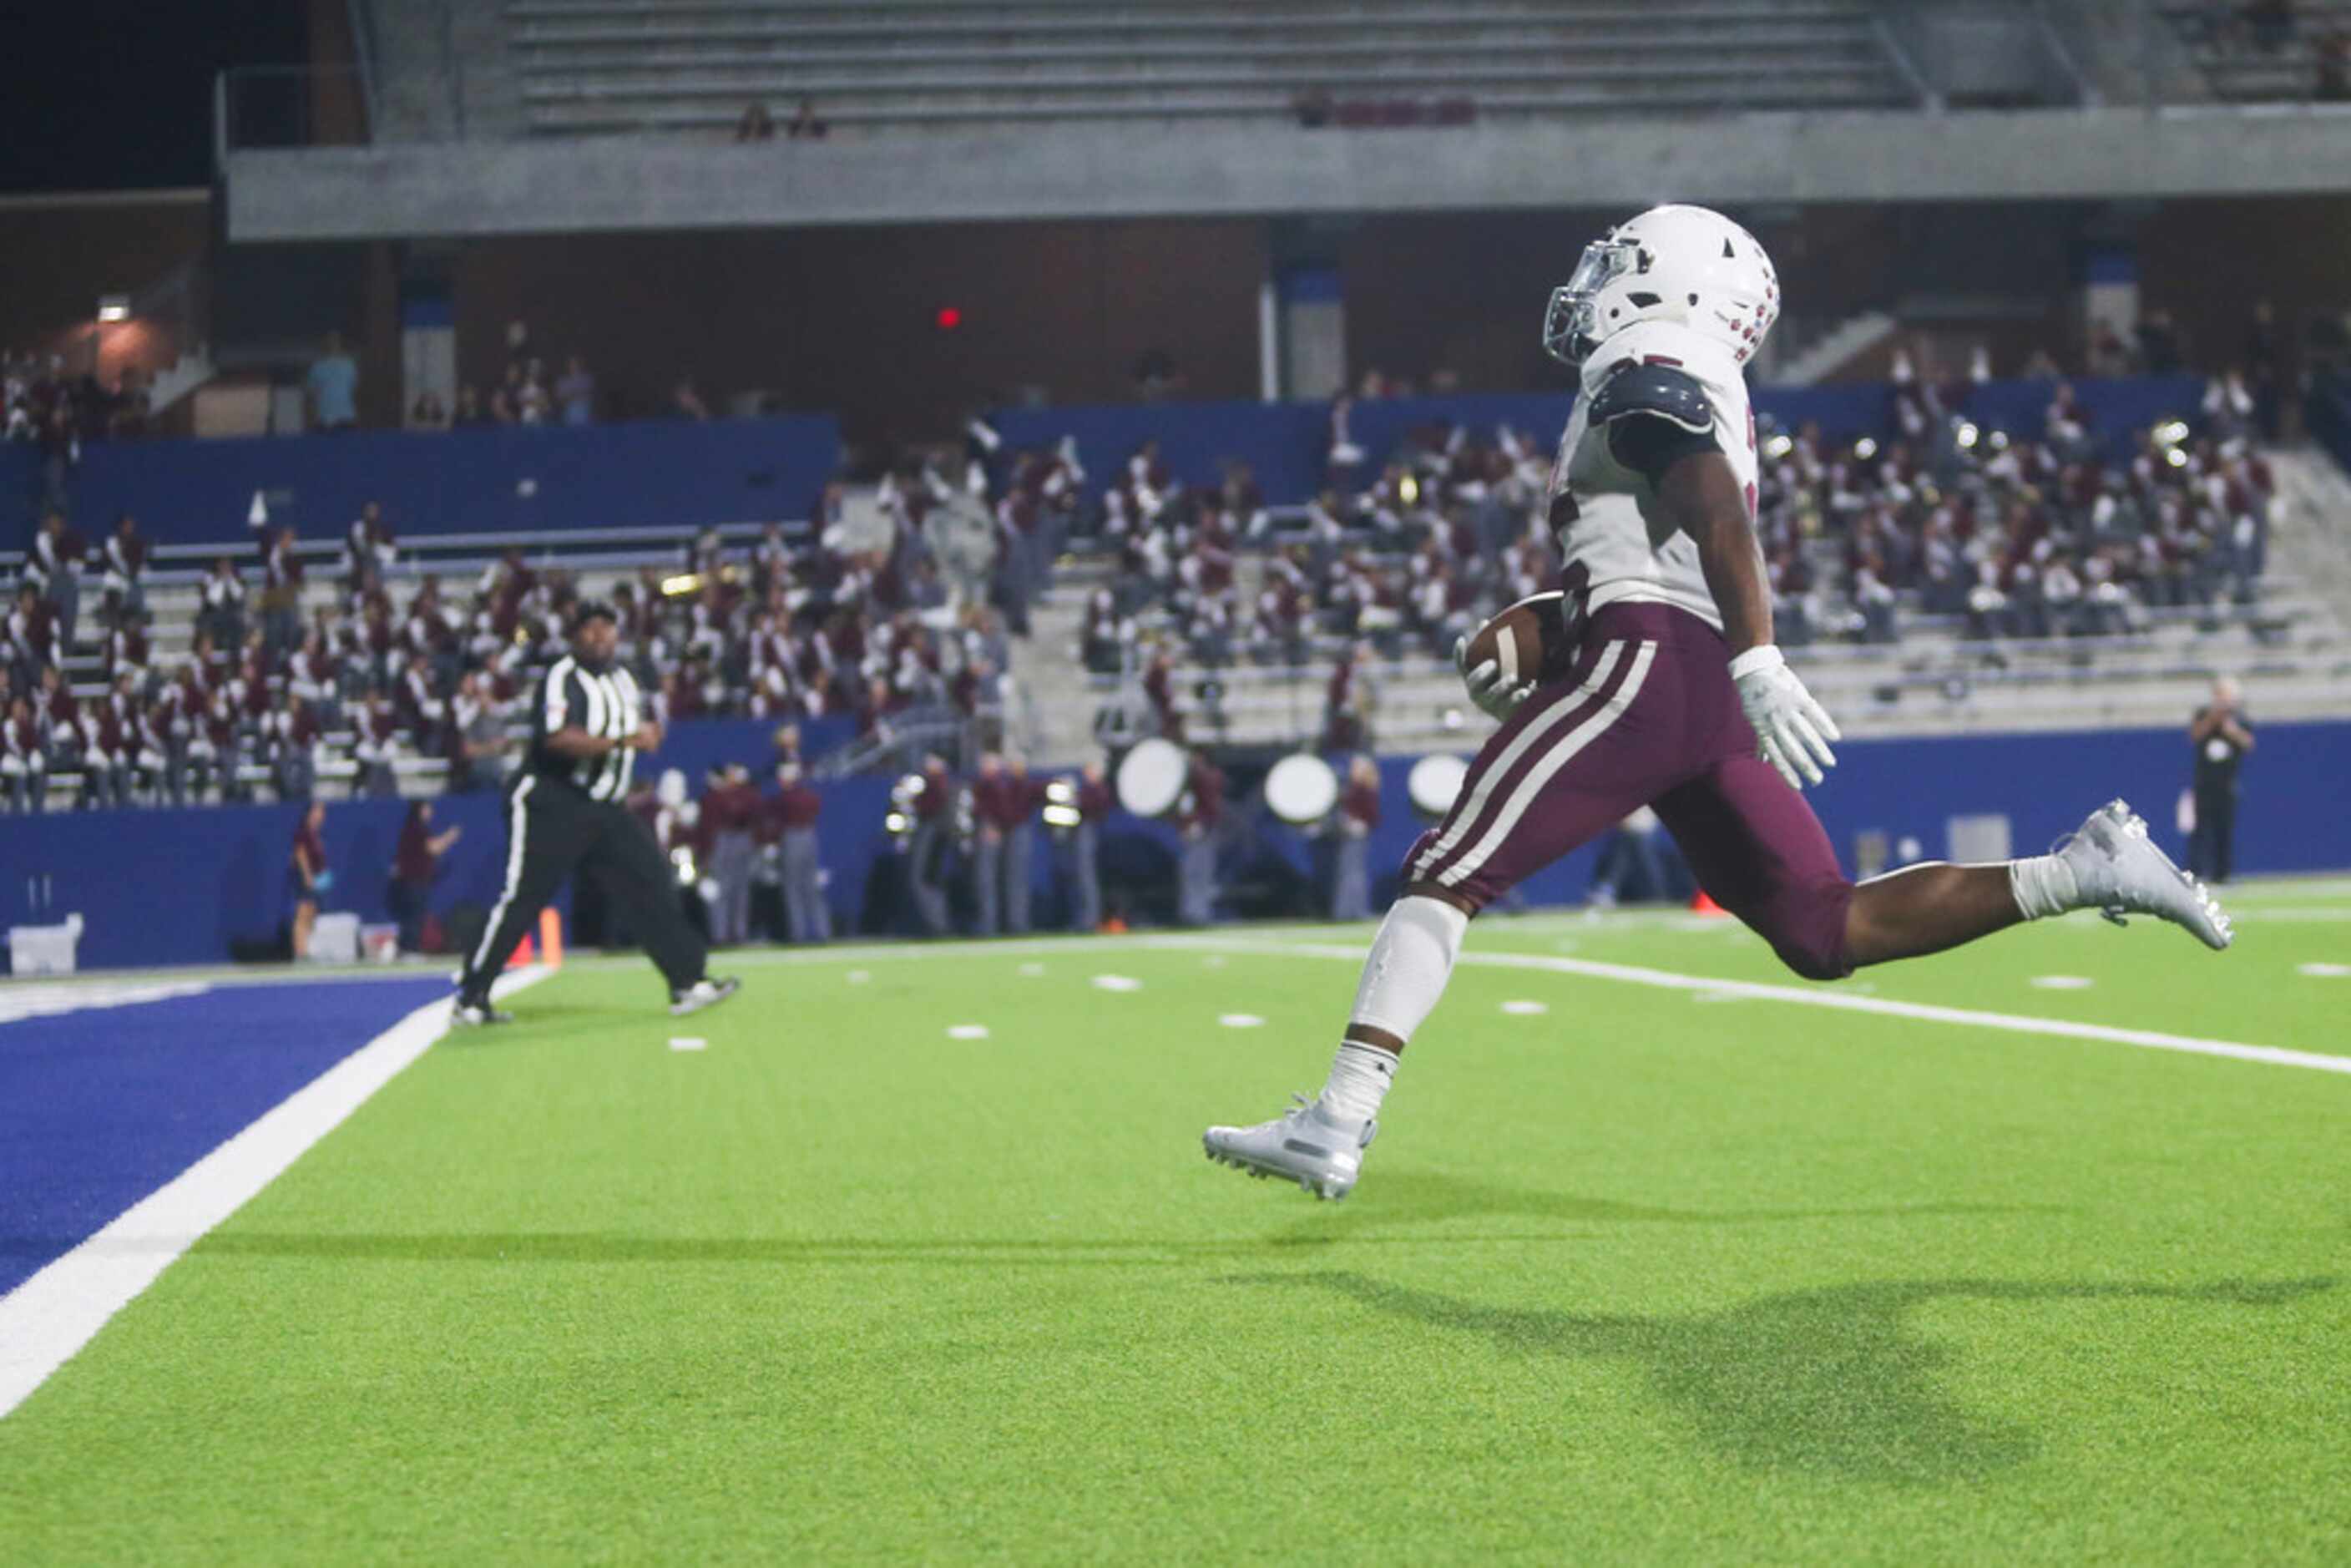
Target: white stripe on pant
column 514, row 873
column 1467, row 810
column 1521, row 798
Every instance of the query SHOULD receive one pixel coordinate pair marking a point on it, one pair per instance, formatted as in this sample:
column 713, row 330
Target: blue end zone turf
column 103, row 1104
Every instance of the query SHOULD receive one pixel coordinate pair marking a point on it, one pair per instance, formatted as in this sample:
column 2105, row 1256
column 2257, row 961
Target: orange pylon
column 1703, row 904
column 550, row 938
column 521, row 956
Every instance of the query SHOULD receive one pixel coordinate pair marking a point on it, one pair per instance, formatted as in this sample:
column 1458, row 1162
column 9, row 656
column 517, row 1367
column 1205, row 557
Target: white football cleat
column 703, row 993
column 2120, row 870
column 1303, row 1144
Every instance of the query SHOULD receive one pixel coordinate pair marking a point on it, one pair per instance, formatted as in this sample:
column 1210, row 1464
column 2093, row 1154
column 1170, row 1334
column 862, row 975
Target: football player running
column 1677, row 698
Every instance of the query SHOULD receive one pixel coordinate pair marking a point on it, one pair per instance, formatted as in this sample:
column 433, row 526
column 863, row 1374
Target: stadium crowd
column 403, row 664
column 2014, row 534
column 898, row 604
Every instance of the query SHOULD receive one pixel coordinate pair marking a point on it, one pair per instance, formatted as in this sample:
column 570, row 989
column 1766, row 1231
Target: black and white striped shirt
column 603, row 703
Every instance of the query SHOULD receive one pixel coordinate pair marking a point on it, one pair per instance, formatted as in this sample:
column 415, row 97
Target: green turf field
column 1650, row 1275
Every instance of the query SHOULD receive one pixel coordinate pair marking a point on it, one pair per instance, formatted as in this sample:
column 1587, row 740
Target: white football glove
column 1793, row 731
column 1492, row 694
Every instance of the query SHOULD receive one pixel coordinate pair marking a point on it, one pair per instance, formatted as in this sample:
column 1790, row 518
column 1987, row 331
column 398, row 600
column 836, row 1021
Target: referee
column 565, row 813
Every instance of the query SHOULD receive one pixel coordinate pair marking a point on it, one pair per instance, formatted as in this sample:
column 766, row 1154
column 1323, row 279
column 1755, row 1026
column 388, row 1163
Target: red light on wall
column 948, row 318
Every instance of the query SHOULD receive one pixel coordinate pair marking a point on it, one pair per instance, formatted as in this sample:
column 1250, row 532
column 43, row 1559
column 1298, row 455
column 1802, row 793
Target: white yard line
column 1848, row 1002
column 49, row 1317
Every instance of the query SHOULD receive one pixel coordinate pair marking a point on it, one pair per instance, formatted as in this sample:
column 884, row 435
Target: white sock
column 2043, row 885
column 1359, row 1080
column 1410, row 960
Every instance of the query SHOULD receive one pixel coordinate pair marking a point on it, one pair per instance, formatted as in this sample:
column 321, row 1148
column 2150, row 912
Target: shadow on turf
column 1823, row 1381
column 1411, row 1198
column 1403, row 1199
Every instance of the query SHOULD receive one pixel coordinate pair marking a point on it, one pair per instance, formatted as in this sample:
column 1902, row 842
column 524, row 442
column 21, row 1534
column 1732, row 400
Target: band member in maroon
column 1199, row 811
column 792, row 815
column 995, row 808
column 730, row 814
column 415, row 863
column 307, row 875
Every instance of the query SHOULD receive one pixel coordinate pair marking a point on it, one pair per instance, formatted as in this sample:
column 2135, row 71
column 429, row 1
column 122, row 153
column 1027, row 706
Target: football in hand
column 1529, row 639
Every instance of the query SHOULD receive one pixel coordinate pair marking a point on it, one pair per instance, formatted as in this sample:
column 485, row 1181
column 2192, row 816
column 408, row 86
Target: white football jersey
column 1616, row 543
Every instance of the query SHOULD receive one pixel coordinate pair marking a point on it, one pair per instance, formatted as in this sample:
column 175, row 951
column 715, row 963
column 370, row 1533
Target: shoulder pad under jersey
column 1669, row 393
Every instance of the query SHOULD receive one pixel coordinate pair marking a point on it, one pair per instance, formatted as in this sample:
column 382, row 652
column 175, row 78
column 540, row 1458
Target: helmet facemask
column 1571, row 320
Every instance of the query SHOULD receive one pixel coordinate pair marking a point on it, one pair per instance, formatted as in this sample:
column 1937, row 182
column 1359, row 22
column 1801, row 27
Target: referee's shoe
column 565, row 815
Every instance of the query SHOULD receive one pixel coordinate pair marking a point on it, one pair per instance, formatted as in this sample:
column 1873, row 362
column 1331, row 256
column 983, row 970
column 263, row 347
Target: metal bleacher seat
column 599, row 65
column 2243, row 63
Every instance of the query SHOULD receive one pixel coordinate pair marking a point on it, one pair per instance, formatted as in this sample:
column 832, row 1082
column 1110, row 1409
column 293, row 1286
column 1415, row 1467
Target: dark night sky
column 112, row 94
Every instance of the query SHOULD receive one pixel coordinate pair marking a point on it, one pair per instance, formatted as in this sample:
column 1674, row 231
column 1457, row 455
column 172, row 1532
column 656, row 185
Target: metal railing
column 361, row 14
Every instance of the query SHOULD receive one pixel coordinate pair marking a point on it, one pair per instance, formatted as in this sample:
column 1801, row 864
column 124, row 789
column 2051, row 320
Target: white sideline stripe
column 2152, row 1039
column 48, row 1319
column 46, row 1001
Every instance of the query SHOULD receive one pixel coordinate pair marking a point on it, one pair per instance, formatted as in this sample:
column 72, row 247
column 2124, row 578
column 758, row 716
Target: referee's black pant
column 2211, row 848
column 554, row 831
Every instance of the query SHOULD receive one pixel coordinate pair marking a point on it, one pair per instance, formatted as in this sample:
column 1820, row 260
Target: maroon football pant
column 1647, row 716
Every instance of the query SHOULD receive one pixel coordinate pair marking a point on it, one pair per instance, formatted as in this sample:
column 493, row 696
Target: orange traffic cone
column 550, row 938
column 520, row 958
column 1703, row 904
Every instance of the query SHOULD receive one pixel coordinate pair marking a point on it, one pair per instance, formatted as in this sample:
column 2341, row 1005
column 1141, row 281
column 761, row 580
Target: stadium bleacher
column 615, row 66
column 1932, row 576
column 2269, row 52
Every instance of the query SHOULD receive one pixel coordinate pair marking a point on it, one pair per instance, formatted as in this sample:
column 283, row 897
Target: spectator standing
column 221, row 611
column 926, row 850
column 107, row 735
column 292, row 736
column 307, row 874
column 730, row 813
column 126, row 571
column 1348, row 701
column 370, row 547
column 794, row 811
column 55, row 569
column 333, row 384
column 575, row 392
column 1358, row 816
column 1024, row 799
column 415, row 864
column 477, row 737
column 1198, row 814
column 24, row 758
column 377, row 748
column 1629, row 856
column 993, row 809
column 1094, row 802
column 2222, row 734
column 281, row 594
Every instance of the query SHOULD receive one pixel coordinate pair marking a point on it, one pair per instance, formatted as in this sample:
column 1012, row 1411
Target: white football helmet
column 1686, row 265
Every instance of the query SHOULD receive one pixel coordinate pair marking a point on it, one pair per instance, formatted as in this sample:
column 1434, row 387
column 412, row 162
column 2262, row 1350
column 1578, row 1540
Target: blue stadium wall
column 673, row 472
column 165, row 887
column 502, row 480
